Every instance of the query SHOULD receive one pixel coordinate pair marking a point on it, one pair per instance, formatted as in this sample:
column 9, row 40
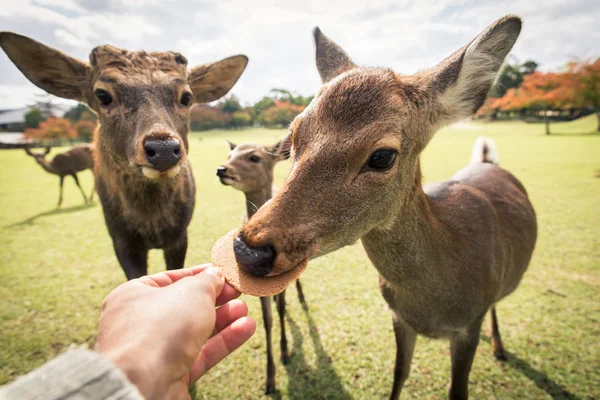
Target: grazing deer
column 78, row 159
column 446, row 252
column 143, row 100
column 249, row 169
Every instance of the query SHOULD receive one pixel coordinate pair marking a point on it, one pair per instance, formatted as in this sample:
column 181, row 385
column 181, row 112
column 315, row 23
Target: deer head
column 356, row 147
column 143, row 99
column 249, row 167
column 39, row 157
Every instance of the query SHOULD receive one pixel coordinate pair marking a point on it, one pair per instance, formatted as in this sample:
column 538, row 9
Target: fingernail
column 214, row 271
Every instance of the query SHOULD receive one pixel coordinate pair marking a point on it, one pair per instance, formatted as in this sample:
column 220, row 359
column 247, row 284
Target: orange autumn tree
column 52, row 129
column 588, row 77
column 281, row 113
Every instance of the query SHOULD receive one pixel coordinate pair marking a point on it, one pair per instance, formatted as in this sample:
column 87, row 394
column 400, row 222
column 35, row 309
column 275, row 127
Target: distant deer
column 78, row 159
column 143, row 100
column 249, row 169
column 446, row 252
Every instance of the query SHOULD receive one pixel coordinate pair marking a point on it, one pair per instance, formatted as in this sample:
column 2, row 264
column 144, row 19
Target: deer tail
column 484, row 151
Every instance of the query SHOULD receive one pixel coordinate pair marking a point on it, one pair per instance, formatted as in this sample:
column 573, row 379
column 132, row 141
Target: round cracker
column 260, row 286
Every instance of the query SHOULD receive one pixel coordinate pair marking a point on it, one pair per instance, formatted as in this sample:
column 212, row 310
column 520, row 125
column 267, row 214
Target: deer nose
column 221, row 170
column 162, row 154
column 257, row 261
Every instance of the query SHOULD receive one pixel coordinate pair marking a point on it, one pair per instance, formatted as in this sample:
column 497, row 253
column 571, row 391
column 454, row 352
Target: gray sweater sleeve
column 75, row 375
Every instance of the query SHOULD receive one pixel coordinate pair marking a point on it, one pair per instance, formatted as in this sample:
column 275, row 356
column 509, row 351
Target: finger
column 168, row 277
column 229, row 313
column 209, row 282
column 220, row 346
column 229, row 293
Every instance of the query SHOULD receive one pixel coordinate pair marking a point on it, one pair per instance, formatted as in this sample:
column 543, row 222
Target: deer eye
column 255, row 159
column 186, row 99
column 103, row 97
column 382, row 160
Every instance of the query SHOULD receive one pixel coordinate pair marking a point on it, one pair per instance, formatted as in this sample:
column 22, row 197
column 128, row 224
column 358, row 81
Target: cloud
column 405, row 35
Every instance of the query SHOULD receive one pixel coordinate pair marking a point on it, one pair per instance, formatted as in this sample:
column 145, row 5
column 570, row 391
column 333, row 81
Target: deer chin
column 154, row 174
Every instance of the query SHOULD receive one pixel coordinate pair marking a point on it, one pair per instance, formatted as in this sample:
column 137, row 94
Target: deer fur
column 249, row 169
column 151, row 95
column 78, row 159
column 446, row 252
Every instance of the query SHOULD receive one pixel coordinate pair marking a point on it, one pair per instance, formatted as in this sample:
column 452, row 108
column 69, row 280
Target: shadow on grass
column 305, row 382
column 593, row 133
column 56, row 211
column 554, row 389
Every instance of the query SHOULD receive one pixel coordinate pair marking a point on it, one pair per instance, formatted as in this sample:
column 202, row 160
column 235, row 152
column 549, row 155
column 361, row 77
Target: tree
column 52, row 128
column 231, row 105
column 240, row 119
column 512, row 76
column 80, row 113
column 588, row 76
column 281, row 114
column 85, row 129
column 33, row 118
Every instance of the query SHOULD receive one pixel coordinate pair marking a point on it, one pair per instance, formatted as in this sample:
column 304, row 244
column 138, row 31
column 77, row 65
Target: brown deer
column 78, row 159
column 446, row 252
column 249, row 169
column 143, row 100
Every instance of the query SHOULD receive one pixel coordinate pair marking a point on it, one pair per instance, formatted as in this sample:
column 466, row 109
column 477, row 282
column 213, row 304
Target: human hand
column 164, row 332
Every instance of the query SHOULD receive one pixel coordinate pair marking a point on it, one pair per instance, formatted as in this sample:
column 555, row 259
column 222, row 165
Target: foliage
column 33, row 118
column 52, row 128
column 80, row 113
column 240, row 119
column 230, row 105
column 281, row 114
column 204, row 117
column 511, row 77
column 85, row 129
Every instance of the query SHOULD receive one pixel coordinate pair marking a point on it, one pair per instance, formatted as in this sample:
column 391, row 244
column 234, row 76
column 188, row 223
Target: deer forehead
column 131, row 63
column 356, row 109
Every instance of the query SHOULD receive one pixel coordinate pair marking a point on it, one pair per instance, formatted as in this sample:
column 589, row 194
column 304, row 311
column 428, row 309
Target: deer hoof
column 270, row 389
column 500, row 355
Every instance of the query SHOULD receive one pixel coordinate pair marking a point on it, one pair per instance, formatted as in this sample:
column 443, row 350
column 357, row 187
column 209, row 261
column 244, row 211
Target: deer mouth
column 227, row 179
column 155, row 174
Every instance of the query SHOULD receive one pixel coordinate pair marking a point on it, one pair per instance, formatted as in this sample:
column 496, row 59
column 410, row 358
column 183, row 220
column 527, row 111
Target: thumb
column 209, row 282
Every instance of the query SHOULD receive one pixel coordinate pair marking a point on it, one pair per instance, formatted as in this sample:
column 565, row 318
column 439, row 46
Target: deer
column 446, row 252
column 143, row 175
column 78, row 159
column 249, row 169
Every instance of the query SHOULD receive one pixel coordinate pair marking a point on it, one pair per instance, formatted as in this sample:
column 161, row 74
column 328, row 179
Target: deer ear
column 45, row 67
column 331, row 59
column 231, row 145
column 464, row 79
column 210, row 82
column 282, row 149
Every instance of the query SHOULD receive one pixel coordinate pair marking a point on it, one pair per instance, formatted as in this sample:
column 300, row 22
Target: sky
column 406, row 36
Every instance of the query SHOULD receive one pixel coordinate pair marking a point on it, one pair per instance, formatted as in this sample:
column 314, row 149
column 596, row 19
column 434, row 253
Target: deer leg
column 175, row 255
column 405, row 346
column 80, row 189
column 300, row 293
column 495, row 335
column 265, row 305
column 462, row 352
column 133, row 260
column 92, row 192
column 281, row 311
column 60, row 193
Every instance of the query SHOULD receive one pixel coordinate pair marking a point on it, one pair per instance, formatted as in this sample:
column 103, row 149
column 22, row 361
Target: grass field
column 58, row 264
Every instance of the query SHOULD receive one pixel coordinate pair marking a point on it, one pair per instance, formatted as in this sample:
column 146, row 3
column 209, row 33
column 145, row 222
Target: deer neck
column 47, row 166
column 255, row 200
column 408, row 252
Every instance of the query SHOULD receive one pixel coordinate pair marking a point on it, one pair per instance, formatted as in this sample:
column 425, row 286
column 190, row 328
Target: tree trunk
column 547, row 122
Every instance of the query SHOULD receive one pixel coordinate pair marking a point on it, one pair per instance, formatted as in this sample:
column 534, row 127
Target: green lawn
column 57, row 266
